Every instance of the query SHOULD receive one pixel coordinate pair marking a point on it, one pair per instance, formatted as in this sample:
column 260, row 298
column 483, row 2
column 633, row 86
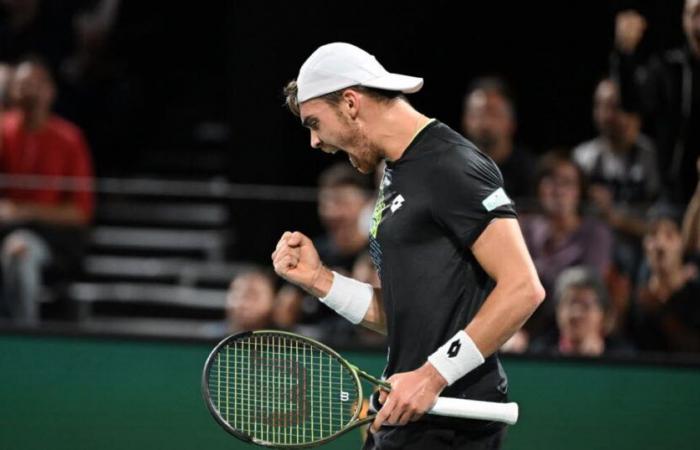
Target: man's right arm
column 296, row 260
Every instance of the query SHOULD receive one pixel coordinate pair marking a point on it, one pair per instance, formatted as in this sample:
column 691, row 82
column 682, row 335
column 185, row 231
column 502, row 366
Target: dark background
column 552, row 53
column 228, row 61
column 193, row 90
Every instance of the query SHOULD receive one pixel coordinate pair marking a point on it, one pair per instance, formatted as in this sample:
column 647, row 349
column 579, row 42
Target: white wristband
column 457, row 357
column 349, row 298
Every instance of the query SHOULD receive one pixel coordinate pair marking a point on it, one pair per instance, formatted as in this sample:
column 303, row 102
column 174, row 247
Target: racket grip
column 475, row 409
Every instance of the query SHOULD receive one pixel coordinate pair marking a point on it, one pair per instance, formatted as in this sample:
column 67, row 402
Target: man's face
column 579, row 314
column 32, row 87
column 332, row 129
column 488, row 119
column 691, row 24
column 340, row 207
column 608, row 116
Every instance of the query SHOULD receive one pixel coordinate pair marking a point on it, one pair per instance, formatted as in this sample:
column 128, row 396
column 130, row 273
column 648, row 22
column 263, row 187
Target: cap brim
column 395, row 82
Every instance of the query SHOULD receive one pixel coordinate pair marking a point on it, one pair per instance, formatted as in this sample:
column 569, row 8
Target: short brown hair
column 291, row 92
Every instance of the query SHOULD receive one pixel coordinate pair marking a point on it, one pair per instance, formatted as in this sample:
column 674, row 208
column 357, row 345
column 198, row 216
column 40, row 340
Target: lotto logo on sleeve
column 495, row 199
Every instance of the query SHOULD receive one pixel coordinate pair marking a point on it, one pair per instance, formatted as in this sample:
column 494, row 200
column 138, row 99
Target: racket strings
column 282, row 390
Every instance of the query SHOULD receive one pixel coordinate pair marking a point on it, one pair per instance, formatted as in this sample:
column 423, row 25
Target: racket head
column 281, row 390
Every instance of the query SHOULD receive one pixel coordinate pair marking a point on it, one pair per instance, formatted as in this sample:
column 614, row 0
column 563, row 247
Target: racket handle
column 475, row 409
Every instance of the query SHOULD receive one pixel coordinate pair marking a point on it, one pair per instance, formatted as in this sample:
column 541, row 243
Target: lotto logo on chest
column 397, row 203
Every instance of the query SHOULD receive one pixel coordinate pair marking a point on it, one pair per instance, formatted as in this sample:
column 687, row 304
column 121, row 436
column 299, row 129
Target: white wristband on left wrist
column 457, row 357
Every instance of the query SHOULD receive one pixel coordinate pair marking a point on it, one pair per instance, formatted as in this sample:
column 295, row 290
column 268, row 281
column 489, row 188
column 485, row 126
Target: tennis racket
column 282, row 390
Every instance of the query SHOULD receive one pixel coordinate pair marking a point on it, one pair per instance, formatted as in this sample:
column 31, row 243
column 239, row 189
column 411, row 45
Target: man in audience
column 583, row 318
column 45, row 226
column 620, row 163
column 666, row 91
column 489, row 120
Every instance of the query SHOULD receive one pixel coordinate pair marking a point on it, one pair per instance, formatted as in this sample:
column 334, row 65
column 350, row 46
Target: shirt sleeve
column 468, row 193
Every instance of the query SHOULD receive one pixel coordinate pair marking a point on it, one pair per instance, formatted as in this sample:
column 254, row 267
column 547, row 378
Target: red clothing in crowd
column 58, row 149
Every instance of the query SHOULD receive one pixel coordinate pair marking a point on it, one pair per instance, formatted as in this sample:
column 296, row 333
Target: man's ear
column 351, row 101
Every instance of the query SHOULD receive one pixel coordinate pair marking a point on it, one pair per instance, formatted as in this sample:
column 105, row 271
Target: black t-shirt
column 433, row 203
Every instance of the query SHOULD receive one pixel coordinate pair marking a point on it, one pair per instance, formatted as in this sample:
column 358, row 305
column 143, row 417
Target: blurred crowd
column 612, row 224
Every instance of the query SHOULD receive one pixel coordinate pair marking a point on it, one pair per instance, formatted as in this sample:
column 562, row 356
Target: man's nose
column 315, row 140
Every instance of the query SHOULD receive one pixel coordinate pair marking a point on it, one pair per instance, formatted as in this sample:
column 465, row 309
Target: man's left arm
column 500, row 250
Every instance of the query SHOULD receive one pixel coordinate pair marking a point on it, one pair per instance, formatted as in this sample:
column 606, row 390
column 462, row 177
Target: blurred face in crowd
column 663, row 245
column 332, row 129
column 611, row 121
column 691, row 24
column 249, row 302
column 32, row 88
column 560, row 191
column 579, row 314
column 339, row 208
column 488, row 119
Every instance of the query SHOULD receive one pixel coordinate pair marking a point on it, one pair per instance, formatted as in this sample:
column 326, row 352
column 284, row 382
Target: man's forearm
column 375, row 319
column 503, row 313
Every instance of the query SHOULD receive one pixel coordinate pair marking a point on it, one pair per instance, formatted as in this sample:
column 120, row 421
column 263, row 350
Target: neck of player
column 394, row 126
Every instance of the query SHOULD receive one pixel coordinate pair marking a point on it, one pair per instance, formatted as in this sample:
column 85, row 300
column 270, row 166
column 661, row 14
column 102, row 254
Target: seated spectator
column 620, row 163
column 489, row 120
column 666, row 309
column 249, row 301
column 45, row 227
column 583, row 318
column 342, row 198
column 559, row 236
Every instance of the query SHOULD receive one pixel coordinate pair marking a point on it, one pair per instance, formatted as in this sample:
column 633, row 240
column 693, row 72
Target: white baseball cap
column 339, row 65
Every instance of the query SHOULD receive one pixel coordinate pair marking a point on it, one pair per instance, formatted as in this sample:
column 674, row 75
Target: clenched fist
column 629, row 30
column 296, row 260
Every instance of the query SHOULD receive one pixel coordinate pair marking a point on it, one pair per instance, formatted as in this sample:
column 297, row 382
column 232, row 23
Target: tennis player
column 457, row 280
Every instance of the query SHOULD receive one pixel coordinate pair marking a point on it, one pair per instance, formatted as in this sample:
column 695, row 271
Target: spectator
column 583, row 318
column 559, row 236
column 621, row 163
column 249, row 301
column 667, row 311
column 489, row 120
column 666, row 91
column 342, row 199
column 44, row 227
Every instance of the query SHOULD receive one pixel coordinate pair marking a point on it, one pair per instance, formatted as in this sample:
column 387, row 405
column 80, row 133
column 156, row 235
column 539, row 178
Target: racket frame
column 357, row 373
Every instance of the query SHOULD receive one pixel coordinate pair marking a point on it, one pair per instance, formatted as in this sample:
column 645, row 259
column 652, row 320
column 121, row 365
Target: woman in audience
column 583, row 318
column 558, row 235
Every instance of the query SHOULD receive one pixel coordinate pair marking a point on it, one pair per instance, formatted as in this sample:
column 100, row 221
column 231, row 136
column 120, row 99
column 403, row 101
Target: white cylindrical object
column 475, row 409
